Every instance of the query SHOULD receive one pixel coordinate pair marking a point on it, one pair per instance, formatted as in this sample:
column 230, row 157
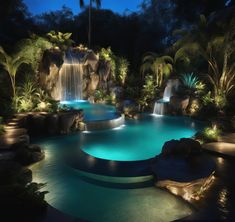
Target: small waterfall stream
column 171, row 87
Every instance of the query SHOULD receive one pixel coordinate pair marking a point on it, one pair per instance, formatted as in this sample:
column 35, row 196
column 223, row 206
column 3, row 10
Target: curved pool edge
column 104, row 124
column 90, row 164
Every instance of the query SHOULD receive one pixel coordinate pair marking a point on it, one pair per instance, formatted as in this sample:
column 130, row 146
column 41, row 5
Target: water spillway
column 160, row 105
column 70, row 84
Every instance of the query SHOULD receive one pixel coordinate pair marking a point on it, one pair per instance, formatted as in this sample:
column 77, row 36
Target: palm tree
column 11, row 64
column 218, row 50
column 159, row 66
column 82, row 4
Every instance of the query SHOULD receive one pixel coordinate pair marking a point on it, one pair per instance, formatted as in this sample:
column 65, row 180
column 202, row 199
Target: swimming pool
column 136, row 140
column 93, row 112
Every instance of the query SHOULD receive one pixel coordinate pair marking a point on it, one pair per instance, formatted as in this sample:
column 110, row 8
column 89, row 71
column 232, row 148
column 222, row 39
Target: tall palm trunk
column 89, row 29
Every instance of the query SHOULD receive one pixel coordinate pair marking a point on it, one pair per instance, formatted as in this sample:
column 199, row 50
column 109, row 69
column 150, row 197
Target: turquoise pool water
column 137, row 139
column 92, row 112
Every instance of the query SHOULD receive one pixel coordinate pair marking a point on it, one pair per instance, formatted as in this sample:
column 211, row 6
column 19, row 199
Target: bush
column 210, row 134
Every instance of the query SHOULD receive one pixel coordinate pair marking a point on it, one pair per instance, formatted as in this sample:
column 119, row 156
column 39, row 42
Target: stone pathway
column 225, row 145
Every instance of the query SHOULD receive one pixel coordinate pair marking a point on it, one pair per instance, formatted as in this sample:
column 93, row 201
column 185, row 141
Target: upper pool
column 93, row 112
column 137, row 139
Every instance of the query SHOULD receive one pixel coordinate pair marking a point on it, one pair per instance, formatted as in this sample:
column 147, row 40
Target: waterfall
column 160, row 105
column 171, row 87
column 158, row 108
column 70, row 84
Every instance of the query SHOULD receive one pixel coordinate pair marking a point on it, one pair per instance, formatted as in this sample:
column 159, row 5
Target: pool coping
column 90, row 164
column 94, row 125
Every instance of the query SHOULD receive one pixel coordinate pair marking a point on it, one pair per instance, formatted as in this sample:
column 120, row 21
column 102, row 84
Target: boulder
column 183, row 147
column 12, row 172
column 66, row 121
column 52, row 124
column 29, row 154
column 179, row 104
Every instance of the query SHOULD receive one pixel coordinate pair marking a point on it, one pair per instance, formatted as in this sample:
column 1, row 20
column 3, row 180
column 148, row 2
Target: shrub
column 190, row 81
column 211, row 134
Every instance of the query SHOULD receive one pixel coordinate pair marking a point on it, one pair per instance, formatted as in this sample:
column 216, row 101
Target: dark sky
column 39, row 6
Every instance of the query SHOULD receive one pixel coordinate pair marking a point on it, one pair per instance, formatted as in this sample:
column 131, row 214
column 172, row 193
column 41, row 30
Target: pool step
column 117, row 182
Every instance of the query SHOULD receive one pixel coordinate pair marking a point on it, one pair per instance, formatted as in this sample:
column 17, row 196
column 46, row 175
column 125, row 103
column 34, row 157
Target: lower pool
column 136, row 140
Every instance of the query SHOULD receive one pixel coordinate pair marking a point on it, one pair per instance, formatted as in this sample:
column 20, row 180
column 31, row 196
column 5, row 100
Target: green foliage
column 217, row 50
column 211, row 134
column 207, row 99
column 159, row 67
column 31, row 98
column 148, row 92
column 190, row 81
column 11, row 64
column 24, row 99
column 220, row 100
column 32, row 49
column 108, row 55
column 99, row 95
column 61, row 40
column 122, row 69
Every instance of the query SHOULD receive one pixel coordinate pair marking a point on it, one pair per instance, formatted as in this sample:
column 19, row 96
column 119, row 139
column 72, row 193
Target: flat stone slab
column 221, row 148
column 227, row 138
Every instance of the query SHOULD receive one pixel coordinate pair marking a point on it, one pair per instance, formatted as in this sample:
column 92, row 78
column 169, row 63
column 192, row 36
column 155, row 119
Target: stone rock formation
column 96, row 73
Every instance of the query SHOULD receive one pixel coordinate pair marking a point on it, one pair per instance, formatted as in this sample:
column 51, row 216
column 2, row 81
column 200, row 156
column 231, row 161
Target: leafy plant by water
column 61, row 40
column 11, row 64
column 189, row 80
column 148, row 92
column 159, row 66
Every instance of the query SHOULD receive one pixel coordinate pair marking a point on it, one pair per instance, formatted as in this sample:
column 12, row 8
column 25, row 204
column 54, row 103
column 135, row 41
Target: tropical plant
column 160, row 67
column 106, row 54
column 32, row 49
column 24, row 101
column 45, row 102
column 82, row 4
column 218, row 51
column 189, row 80
column 122, row 69
column 211, row 134
column 221, row 76
column 11, row 64
column 61, row 40
column 99, row 95
column 207, row 99
column 148, row 92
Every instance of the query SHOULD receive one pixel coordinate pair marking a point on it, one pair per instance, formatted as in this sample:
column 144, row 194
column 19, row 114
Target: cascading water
column 171, row 87
column 70, row 84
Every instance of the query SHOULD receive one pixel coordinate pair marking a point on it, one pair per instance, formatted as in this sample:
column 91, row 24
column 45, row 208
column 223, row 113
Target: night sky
column 40, row 6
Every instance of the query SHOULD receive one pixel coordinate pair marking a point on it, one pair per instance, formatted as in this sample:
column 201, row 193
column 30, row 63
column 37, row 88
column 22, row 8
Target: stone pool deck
column 225, row 146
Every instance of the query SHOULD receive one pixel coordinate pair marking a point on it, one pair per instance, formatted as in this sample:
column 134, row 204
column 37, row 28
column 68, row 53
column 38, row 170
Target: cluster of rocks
column 15, row 145
column 52, row 123
column 183, row 168
column 96, row 73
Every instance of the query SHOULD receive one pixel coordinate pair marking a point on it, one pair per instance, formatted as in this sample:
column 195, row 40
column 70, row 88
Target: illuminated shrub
column 190, row 81
column 211, row 134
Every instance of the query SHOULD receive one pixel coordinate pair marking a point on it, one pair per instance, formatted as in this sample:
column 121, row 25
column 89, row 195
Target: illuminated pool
column 92, row 112
column 137, row 139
